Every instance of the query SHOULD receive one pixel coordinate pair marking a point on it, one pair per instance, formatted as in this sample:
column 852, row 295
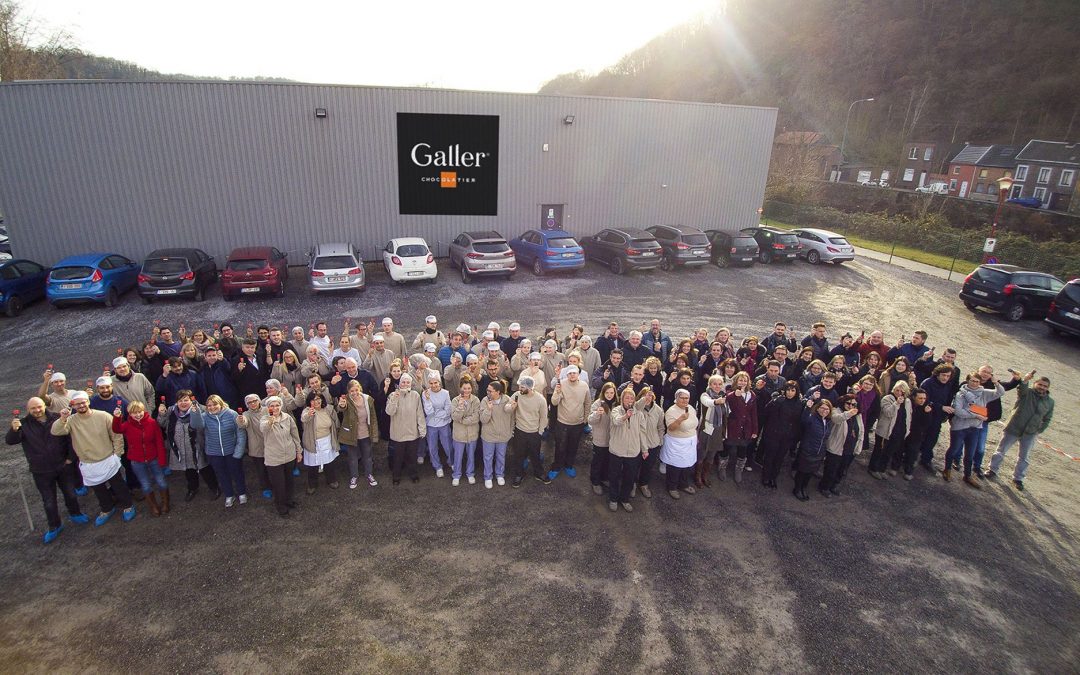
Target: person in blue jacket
column 913, row 351
column 815, row 440
column 175, row 378
column 225, row 446
column 216, row 378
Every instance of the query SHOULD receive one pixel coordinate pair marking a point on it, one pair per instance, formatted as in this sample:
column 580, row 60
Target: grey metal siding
column 133, row 166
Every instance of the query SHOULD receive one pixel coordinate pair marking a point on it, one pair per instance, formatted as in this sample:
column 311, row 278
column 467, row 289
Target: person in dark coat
column 818, row 341
column 780, row 336
column 826, row 389
column 176, row 378
column 847, row 348
column 940, row 391
column 608, row 342
column 52, row 463
column 781, row 425
column 612, row 370
column 816, row 427
column 249, row 372
column 742, row 425
column 151, row 361
column 921, row 416
column 216, row 378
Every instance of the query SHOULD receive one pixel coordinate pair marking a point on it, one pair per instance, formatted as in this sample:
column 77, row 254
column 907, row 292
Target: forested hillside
column 940, row 70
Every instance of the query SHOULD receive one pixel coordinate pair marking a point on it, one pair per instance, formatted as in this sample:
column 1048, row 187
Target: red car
column 256, row 270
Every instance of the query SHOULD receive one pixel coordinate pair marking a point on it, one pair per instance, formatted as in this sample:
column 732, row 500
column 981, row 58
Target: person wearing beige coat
column 496, row 430
column 465, row 412
column 319, row 438
column 571, row 399
column 626, row 446
column 281, row 452
column 407, row 424
column 600, row 420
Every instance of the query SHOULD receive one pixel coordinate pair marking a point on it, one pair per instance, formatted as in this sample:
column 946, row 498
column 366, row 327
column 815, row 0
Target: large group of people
column 219, row 405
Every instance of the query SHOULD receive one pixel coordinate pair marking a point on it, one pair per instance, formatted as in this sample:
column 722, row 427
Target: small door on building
column 963, row 189
column 551, row 216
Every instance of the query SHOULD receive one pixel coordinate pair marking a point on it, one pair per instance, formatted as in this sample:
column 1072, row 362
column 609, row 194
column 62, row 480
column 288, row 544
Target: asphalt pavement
column 893, row 576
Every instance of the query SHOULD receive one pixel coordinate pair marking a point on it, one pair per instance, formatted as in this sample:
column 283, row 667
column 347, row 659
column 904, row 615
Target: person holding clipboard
column 969, row 405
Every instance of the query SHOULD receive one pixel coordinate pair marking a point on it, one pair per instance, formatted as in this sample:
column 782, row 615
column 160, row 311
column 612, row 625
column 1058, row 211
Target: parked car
column 623, row 248
column 21, row 282
column 1011, row 290
column 482, row 254
column 823, row 246
column 731, row 248
column 1030, row 202
column 934, row 188
column 409, row 259
column 1063, row 315
column 548, row 250
column 254, row 270
column 335, row 267
column 91, row 277
column 5, row 241
column 176, row 272
column 683, row 246
column 773, row 243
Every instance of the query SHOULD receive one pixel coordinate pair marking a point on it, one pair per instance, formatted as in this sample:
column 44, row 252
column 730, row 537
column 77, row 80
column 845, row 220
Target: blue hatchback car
column 91, row 277
column 21, row 282
column 548, row 250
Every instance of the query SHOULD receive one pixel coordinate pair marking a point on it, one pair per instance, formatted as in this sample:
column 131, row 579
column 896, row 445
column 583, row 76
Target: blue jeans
column 230, row 474
column 980, row 447
column 962, row 440
column 1007, row 441
column 144, row 471
column 464, row 449
column 435, row 436
column 496, row 452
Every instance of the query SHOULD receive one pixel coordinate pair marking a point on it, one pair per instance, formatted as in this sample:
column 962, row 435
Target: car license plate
column 167, row 291
column 414, row 274
column 699, row 251
column 746, row 259
column 568, row 255
column 1075, row 317
column 648, row 253
column 336, row 280
column 68, row 287
column 981, row 294
column 249, row 290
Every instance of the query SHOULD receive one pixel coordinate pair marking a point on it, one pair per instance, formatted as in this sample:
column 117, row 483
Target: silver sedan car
column 823, row 246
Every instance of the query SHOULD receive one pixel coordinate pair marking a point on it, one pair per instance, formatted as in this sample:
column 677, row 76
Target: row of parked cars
column 264, row 270
column 1017, row 293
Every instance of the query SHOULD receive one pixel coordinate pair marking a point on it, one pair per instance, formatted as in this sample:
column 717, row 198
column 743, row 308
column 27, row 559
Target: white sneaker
column 456, row 482
column 229, row 501
column 488, row 484
column 352, row 483
column 500, row 480
column 472, row 480
column 439, row 473
column 243, row 499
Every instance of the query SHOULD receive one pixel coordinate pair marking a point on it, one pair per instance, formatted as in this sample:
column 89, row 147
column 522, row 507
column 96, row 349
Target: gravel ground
column 900, row 577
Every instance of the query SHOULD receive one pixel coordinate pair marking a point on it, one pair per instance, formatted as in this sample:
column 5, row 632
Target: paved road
column 894, row 576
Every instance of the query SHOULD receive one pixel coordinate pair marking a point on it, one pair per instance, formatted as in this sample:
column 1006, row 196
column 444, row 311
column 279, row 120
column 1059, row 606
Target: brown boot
column 151, row 499
column 706, row 469
column 165, row 500
column 697, row 475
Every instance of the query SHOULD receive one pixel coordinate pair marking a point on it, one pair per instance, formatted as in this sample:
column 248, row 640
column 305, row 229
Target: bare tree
column 28, row 50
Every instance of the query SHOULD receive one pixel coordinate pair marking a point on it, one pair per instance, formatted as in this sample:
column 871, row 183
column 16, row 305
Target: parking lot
column 892, row 576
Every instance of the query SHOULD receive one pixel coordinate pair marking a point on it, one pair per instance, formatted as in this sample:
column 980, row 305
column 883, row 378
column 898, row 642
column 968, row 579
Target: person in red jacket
column 146, row 450
column 742, row 423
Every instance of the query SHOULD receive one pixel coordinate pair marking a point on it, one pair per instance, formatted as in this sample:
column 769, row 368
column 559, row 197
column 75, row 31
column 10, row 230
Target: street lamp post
column 843, row 140
column 1004, row 186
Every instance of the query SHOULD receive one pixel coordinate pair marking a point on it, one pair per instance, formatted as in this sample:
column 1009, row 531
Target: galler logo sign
column 448, row 164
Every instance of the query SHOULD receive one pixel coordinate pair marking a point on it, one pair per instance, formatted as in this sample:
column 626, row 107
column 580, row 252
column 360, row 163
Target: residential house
column 806, row 154
column 973, row 173
column 917, row 165
column 1047, row 170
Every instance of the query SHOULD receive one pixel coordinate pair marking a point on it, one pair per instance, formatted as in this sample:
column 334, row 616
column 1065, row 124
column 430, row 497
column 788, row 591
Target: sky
column 489, row 45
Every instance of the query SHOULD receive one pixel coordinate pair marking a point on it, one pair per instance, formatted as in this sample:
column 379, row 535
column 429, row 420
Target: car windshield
column 245, row 265
column 992, row 277
column 334, row 262
column 64, row 273
column 744, row 241
column 1072, row 292
column 643, row 243
column 412, row 250
column 165, row 266
column 839, row 241
column 562, row 242
column 490, row 247
column 695, row 239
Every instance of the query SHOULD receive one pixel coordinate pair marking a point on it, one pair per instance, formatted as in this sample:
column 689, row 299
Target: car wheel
column 431, row 281
column 723, row 261
column 510, row 276
column 971, row 305
column 1015, row 311
column 765, row 257
column 813, row 257
column 465, row 278
column 14, row 306
column 665, row 264
column 147, row 300
column 112, row 298
column 617, row 265
column 537, row 268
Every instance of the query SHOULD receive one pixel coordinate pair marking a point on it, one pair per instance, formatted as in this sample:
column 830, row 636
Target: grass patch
column 934, row 259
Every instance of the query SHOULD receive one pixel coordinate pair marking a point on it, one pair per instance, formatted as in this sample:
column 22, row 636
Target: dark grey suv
column 683, row 246
column 623, row 248
column 176, row 272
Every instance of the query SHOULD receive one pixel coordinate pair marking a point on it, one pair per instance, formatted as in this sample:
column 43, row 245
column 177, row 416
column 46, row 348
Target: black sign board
column 448, row 164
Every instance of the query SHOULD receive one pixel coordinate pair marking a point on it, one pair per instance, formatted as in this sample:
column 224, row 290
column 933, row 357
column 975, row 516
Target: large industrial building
column 128, row 167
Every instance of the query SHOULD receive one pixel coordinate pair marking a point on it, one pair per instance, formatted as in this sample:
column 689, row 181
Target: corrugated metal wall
column 133, row 166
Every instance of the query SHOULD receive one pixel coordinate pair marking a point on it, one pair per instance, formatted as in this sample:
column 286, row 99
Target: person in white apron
column 679, row 452
column 320, row 441
column 99, row 450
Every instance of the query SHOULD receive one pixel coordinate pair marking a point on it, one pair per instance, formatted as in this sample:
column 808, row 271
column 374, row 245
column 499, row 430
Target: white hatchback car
column 409, row 259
